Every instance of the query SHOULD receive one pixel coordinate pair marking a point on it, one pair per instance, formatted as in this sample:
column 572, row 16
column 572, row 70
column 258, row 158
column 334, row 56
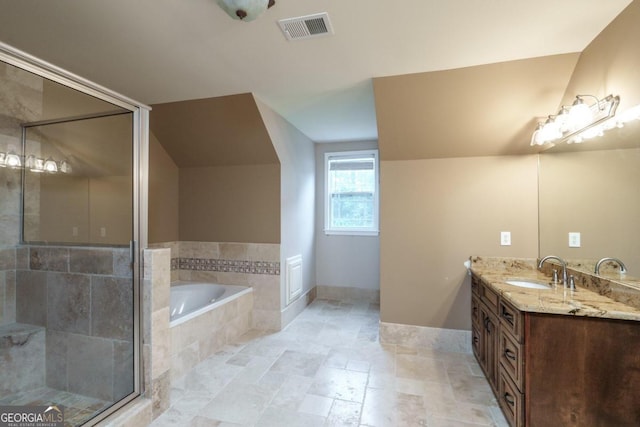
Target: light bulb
column 38, row 165
column 563, row 119
column 580, row 115
column 550, row 131
column 13, row 160
column 65, row 167
column 536, row 138
column 50, row 165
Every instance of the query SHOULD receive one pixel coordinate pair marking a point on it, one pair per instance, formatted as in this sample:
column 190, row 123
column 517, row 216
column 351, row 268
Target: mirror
column 89, row 202
column 78, row 171
column 592, row 189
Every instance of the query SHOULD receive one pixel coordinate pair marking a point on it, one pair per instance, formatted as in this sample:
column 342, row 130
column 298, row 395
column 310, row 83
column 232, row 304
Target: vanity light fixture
column 12, row 160
column 245, row 10
column 578, row 122
column 33, row 163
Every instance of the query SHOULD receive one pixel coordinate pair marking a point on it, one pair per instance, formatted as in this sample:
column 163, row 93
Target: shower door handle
column 132, row 251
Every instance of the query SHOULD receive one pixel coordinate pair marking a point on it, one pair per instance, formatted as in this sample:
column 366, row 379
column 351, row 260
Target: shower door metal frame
column 140, row 111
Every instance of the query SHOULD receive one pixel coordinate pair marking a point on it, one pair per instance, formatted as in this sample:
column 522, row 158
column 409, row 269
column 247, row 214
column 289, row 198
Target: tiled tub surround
column 83, row 297
column 202, row 336
column 256, row 265
column 155, row 326
column 596, row 296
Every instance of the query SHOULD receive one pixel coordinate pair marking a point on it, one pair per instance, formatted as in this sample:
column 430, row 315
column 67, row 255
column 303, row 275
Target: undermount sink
column 527, row 284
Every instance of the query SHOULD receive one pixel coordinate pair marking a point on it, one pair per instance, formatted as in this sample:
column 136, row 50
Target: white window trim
column 376, row 197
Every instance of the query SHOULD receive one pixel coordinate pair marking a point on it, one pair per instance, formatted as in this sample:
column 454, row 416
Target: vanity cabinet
column 555, row 369
column 495, row 326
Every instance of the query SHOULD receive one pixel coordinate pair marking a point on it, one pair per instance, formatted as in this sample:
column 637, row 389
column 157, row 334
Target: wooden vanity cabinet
column 485, row 330
column 557, row 370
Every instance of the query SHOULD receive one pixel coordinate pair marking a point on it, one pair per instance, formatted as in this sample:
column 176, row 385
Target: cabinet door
column 490, row 342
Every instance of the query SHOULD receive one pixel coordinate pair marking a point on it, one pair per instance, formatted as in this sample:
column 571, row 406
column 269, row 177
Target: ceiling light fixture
column 578, row 122
column 245, row 10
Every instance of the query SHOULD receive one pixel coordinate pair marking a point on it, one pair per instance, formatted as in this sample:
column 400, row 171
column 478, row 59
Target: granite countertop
column 557, row 300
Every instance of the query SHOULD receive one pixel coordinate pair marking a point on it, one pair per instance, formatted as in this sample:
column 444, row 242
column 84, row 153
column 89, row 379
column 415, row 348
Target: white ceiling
column 159, row 51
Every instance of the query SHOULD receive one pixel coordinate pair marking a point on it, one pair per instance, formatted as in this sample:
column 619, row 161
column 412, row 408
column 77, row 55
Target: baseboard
column 341, row 293
column 296, row 307
column 452, row 340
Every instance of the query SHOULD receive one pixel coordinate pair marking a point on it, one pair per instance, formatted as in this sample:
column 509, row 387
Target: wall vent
column 306, row 27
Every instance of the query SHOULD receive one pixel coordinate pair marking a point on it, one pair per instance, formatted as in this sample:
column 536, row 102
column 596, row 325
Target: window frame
column 357, row 154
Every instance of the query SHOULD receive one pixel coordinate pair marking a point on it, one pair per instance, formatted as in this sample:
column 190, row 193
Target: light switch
column 103, row 231
column 505, row 238
column 574, row 240
column 74, row 231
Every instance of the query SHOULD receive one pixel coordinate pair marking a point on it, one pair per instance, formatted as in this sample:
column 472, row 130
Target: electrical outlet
column 103, row 231
column 505, row 238
column 574, row 240
column 74, row 231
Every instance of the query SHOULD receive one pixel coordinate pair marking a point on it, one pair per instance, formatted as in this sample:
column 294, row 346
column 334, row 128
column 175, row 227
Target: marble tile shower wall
column 20, row 101
column 247, row 264
column 7, row 286
column 84, row 299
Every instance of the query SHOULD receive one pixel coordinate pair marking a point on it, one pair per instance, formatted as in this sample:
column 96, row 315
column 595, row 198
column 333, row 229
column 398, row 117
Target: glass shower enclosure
column 69, row 247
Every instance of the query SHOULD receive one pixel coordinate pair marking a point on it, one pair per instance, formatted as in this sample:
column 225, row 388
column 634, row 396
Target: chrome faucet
column 623, row 268
column 562, row 263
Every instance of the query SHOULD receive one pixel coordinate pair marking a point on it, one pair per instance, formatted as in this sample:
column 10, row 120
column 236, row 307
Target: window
column 351, row 193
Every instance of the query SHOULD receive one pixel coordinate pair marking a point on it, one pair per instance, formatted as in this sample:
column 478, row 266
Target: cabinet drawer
column 475, row 284
column 510, row 356
column 476, row 319
column 489, row 297
column 511, row 319
column 510, row 400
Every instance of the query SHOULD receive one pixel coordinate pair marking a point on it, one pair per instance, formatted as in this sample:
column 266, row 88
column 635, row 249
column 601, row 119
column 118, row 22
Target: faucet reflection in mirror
column 33, row 163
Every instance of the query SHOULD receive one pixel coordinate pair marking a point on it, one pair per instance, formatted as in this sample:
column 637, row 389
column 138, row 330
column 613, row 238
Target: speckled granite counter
column 594, row 297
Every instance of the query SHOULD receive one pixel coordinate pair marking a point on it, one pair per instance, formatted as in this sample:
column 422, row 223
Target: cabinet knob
column 507, row 316
column 509, row 399
column 509, row 354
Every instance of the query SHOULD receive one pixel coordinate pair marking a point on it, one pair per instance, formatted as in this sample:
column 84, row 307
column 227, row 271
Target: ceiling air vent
column 305, row 27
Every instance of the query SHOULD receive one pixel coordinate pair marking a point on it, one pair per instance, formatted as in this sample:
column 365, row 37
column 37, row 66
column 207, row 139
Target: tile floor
column 327, row 368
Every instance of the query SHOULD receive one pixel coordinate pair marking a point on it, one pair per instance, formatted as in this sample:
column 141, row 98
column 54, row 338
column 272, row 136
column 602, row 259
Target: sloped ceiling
column 474, row 111
column 160, row 51
column 221, row 131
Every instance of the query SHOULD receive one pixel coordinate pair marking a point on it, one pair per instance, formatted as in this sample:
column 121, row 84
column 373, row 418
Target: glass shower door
column 68, row 286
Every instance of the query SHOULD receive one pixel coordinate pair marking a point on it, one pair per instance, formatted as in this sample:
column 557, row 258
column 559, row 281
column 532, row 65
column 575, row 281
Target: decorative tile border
column 226, row 266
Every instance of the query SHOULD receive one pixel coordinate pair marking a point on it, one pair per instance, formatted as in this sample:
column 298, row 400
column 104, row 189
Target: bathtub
column 191, row 299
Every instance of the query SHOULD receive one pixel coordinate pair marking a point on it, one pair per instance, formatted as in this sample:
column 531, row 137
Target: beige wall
column 485, row 110
column 88, row 204
column 611, row 62
column 214, row 173
column 230, row 204
column 434, row 215
column 596, row 194
column 163, row 194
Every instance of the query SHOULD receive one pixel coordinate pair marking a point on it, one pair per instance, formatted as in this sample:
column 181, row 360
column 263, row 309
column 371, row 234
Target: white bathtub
column 191, row 299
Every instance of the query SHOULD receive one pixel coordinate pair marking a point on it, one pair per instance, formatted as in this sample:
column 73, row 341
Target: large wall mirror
column 593, row 189
column 88, row 198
